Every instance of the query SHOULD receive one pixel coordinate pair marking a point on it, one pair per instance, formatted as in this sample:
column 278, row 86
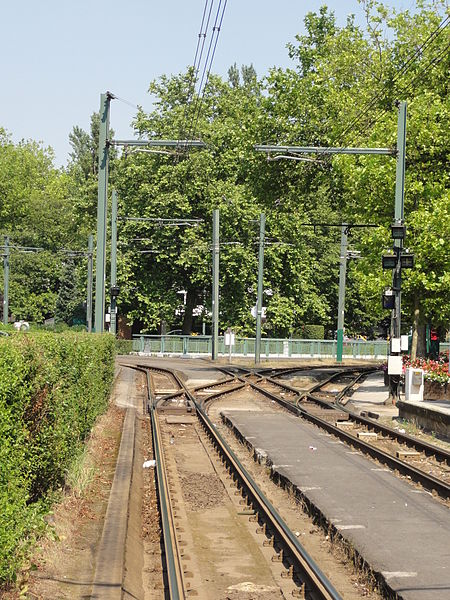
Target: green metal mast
column 341, row 300
column 394, row 380
column 215, row 285
column 113, row 262
column 399, row 210
column 103, row 160
column 6, row 281
column 259, row 299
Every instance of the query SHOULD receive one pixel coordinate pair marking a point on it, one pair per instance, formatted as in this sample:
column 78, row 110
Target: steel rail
column 440, row 454
column 215, row 395
column 309, row 570
column 174, row 567
column 427, row 481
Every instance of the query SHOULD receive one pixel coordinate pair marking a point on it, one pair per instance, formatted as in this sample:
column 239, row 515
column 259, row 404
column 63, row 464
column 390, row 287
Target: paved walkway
column 371, row 395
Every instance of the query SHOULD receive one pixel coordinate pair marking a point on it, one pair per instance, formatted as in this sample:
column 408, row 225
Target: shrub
column 312, row 332
column 52, row 388
column 124, row 346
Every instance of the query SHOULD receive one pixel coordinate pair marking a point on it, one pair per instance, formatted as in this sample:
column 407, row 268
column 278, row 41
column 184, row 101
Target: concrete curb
column 109, row 570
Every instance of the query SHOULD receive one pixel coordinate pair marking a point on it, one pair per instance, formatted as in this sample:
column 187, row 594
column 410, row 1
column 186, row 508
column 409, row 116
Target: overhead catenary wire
column 389, row 86
column 405, row 67
column 207, row 67
column 196, row 65
column 405, row 91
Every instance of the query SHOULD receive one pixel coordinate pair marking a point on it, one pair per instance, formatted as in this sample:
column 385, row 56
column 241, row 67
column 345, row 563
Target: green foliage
column 36, row 211
column 52, row 388
column 124, row 346
column 311, row 332
column 340, row 91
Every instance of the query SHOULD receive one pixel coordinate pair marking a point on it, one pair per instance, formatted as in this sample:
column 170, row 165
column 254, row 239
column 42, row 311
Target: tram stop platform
column 429, row 415
column 401, row 531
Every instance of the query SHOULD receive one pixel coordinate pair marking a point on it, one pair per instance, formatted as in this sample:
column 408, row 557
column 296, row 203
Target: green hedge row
column 52, row 388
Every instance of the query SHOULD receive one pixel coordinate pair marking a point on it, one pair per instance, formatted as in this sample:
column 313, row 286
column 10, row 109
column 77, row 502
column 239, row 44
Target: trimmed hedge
column 52, row 388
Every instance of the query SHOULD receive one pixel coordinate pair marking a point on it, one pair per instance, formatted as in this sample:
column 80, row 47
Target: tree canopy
column 341, row 90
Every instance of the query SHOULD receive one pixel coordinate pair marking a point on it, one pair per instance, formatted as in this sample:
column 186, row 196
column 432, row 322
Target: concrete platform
column 371, row 395
column 402, row 532
column 196, row 372
column 431, row 416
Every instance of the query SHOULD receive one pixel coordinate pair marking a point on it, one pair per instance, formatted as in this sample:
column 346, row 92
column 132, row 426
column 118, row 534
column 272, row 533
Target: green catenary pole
column 6, row 281
column 90, row 270
column 259, row 298
column 399, row 209
column 394, row 381
column 215, row 285
column 103, row 159
column 341, row 300
column 113, row 262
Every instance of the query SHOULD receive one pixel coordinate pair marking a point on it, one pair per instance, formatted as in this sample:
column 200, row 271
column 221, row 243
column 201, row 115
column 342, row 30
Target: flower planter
column 436, row 391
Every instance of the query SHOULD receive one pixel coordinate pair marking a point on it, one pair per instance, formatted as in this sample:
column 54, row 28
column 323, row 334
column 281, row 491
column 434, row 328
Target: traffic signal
column 389, row 261
column 407, row 260
column 388, row 299
column 398, row 231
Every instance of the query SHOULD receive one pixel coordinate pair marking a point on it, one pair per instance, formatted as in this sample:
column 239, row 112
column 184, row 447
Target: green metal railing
column 270, row 347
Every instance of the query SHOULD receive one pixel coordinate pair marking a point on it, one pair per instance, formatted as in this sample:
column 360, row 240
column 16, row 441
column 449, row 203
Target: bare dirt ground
column 152, row 576
column 62, row 564
column 225, row 557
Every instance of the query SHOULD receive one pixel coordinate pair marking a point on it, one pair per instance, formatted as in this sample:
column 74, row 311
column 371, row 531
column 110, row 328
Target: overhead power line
column 407, row 65
column 196, row 64
column 208, row 65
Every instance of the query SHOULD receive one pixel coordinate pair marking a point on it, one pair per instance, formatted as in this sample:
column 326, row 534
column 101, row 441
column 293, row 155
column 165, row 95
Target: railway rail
column 413, row 458
column 171, row 396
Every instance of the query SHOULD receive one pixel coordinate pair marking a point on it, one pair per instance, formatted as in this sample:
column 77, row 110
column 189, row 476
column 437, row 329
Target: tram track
column 306, row 579
column 400, row 452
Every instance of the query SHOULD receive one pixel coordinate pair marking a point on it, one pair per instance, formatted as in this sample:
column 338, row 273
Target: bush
column 312, row 332
column 52, row 388
column 124, row 346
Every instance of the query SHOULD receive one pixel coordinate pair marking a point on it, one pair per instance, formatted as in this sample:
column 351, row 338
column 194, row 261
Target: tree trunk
column 415, row 332
column 422, row 341
column 418, row 343
column 191, row 301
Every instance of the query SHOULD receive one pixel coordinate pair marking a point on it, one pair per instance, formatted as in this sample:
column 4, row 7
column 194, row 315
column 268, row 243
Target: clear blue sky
column 58, row 55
